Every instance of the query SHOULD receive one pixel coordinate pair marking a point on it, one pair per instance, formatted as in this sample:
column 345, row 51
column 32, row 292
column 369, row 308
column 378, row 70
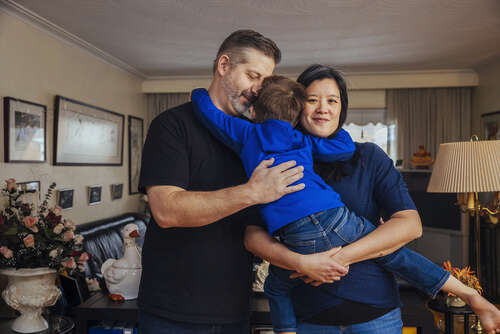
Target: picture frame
column 30, row 187
column 135, row 142
column 490, row 123
column 65, row 198
column 25, row 131
column 86, row 135
column 95, row 194
column 116, row 191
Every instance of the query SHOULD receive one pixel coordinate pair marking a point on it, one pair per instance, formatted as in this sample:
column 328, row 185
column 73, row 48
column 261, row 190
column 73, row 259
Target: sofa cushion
column 103, row 240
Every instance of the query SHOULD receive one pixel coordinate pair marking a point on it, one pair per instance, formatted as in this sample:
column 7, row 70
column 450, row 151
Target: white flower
column 58, row 229
column 54, row 253
column 79, row 239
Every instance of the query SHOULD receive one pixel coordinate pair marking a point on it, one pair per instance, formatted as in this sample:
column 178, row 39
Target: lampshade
column 464, row 167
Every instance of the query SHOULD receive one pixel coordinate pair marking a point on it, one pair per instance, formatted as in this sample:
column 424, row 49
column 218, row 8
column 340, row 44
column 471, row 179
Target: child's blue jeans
column 331, row 228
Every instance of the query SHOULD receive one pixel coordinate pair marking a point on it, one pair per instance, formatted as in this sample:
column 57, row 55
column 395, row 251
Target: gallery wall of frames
column 69, row 117
column 84, row 135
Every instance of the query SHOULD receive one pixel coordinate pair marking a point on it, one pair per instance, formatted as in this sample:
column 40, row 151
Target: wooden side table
column 100, row 307
column 439, row 305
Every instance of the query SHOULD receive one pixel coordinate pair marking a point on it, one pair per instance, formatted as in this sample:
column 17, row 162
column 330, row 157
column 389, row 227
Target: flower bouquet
column 44, row 238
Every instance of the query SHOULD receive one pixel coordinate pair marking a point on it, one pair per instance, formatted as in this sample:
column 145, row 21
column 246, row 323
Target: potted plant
column 34, row 247
column 467, row 277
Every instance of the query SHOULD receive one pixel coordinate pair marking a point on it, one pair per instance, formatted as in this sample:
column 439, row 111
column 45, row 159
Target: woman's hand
column 319, row 268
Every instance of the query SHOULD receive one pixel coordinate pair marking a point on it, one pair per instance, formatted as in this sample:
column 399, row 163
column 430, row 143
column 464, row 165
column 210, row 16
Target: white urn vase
column 29, row 290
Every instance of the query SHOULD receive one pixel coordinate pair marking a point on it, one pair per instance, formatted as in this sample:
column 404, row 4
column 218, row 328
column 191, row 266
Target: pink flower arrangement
column 30, row 222
column 29, row 241
column 45, row 238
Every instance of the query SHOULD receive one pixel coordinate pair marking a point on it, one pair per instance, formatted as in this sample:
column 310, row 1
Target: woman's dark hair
column 334, row 170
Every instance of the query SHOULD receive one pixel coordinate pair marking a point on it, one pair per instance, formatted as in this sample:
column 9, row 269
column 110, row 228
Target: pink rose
column 69, row 224
column 83, row 258
column 68, row 236
column 30, row 223
column 29, row 241
column 58, row 229
column 6, row 252
column 69, row 263
column 11, row 184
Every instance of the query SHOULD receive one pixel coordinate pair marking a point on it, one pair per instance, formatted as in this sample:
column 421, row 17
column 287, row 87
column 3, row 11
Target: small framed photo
column 30, row 187
column 65, row 198
column 25, row 131
column 95, row 194
column 491, row 125
column 116, row 191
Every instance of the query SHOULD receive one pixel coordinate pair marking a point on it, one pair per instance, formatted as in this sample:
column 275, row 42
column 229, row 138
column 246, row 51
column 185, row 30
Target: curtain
column 429, row 117
column 158, row 103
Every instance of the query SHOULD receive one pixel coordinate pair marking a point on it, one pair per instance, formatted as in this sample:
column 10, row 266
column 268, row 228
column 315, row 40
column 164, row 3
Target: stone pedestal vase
column 29, row 291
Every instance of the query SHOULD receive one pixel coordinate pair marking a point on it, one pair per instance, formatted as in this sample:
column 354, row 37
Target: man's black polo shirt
column 199, row 275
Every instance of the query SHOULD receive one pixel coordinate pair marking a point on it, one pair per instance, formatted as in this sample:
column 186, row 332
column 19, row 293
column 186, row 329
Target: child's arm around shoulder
column 339, row 148
column 231, row 131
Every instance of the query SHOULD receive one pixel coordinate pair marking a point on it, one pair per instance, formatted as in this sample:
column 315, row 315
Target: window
column 370, row 125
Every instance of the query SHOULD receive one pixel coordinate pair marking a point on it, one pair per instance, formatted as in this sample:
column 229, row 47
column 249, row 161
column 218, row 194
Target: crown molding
column 355, row 80
column 12, row 8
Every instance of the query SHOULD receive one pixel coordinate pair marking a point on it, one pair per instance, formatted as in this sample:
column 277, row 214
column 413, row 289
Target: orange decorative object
column 116, row 298
column 464, row 275
column 422, row 159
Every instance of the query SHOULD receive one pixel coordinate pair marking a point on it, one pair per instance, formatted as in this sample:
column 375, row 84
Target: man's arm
column 175, row 207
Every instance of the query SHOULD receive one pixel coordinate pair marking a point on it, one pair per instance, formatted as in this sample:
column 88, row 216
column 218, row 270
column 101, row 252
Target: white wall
column 36, row 66
column 486, row 97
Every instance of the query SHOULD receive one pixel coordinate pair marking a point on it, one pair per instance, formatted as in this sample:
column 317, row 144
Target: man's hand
column 320, row 268
column 268, row 184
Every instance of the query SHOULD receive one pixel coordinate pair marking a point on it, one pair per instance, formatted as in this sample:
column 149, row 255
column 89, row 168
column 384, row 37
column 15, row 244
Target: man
column 196, row 271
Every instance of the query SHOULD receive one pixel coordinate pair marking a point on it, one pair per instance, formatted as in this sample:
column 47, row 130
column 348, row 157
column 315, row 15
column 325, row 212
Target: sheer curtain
column 158, row 103
column 429, row 117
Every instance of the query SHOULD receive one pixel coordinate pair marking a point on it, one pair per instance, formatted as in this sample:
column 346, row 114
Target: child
column 313, row 219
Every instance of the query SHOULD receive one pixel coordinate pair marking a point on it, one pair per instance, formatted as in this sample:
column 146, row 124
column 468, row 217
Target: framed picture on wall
column 65, row 198
column 87, row 135
column 135, row 141
column 116, row 191
column 491, row 125
column 25, row 131
column 95, row 194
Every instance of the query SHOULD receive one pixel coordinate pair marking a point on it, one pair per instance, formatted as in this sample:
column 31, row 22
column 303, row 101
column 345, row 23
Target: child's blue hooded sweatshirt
column 277, row 139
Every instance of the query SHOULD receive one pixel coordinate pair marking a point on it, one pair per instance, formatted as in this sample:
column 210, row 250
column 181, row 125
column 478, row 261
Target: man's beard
column 234, row 96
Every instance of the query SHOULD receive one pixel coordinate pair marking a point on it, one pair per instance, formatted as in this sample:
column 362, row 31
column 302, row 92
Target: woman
column 367, row 299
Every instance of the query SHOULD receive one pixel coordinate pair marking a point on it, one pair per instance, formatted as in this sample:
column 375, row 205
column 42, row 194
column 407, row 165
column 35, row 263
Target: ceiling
column 159, row 38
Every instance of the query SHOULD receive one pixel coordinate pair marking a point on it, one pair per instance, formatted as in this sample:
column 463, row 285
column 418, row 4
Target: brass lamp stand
column 468, row 168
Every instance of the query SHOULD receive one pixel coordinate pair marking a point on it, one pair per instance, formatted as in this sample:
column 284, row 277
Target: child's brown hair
column 280, row 98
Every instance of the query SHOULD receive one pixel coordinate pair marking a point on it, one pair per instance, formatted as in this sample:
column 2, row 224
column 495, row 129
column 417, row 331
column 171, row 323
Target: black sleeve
column 164, row 156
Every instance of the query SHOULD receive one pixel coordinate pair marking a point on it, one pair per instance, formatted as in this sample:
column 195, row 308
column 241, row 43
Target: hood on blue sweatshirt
column 278, row 136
